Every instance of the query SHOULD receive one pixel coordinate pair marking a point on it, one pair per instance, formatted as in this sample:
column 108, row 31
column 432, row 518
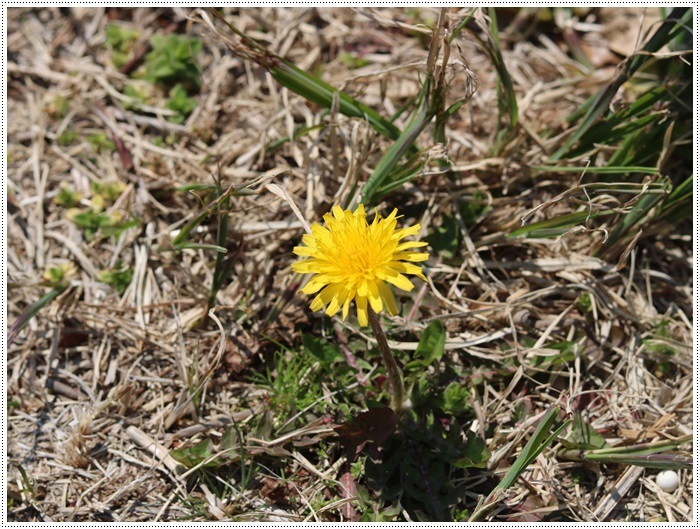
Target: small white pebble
column 667, row 480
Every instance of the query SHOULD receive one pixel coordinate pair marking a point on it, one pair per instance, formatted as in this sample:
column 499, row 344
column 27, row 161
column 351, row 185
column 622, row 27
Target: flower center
column 360, row 256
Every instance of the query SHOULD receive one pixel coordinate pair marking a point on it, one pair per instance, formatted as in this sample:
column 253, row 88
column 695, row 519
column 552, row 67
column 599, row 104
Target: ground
column 162, row 364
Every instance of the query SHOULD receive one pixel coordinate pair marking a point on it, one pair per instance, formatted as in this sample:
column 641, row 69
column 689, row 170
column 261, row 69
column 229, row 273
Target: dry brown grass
column 101, row 381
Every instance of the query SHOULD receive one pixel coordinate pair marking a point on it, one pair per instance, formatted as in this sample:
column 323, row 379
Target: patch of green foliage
column 138, row 94
column 67, row 138
column 58, row 275
column 100, row 142
column 120, row 40
column 647, row 132
column 118, row 278
column 352, row 61
column 67, row 197
column 423, row 466
column 181, row 103
column 171, row 61
column 295, row 385
column 60, row 107
column 296, row 381
column 109, row 191
column 106, row 224
column 203, row 454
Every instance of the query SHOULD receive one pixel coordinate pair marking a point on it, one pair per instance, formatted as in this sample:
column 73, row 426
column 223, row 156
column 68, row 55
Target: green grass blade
column 671, row 28
column 392, row 156
column 540, row 439
column 617, row 169
column 680, row 193
column 198, row 246
column 304, row 84
column 32, row 311
column 507, row 104
column 184, row 233
column 679, row 21
column 221, row 268
column 455, row 33
column 646, row 448
column 659, row 461
column 558, row 225
column 626, row 151
column 650, row 455
column 640, row 210
column 403, row 174
column 678, row 205
column 317, row 91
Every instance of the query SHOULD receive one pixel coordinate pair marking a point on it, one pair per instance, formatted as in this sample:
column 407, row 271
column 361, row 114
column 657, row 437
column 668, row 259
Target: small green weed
column 375, row 512
column 109, row 191
column 59, row 108
column 100, row 142
column 94, row 219
column 424, row 465
column 203, row 455
column 67, row 138
column 582, row 436
column 218, row 467
column 120, row 40
column 58, row 275
column 351, row 61
column 118, row 278
column 294, row 383
column 181, row 103
column 67, row 197
column 106, row 224
column 455, row 399
column 172, row 61
column 139, row 94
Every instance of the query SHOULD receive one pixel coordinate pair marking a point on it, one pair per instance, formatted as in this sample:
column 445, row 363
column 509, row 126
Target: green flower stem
column 392, row 368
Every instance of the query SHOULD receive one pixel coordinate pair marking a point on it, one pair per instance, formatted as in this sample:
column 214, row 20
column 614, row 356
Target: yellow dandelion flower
column 354, row 260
